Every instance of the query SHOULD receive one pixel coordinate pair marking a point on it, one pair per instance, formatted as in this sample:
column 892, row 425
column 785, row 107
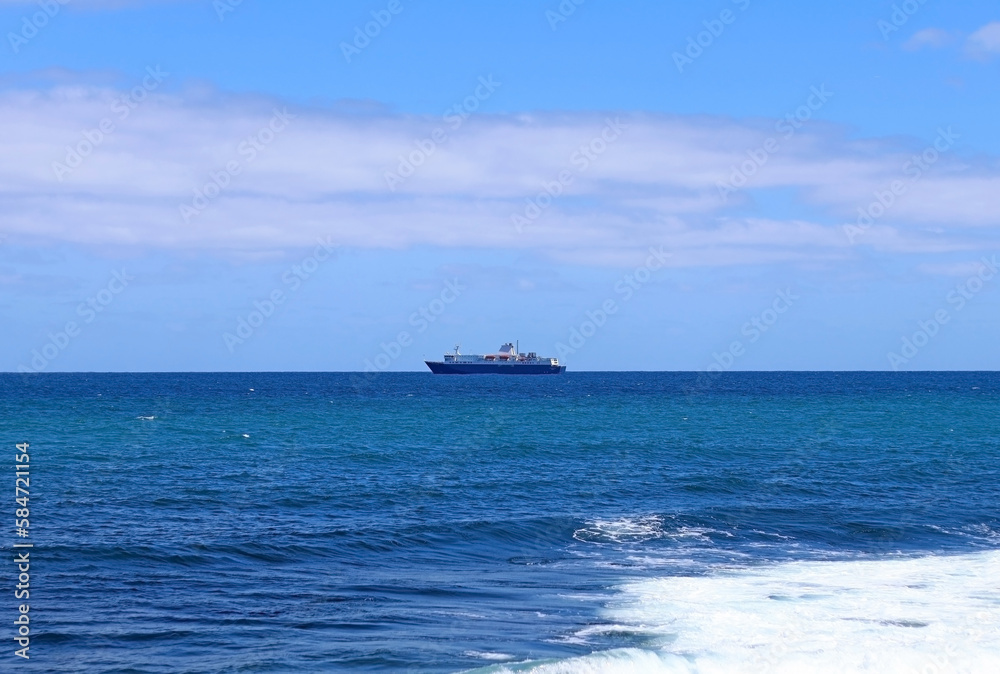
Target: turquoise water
column 588, row 522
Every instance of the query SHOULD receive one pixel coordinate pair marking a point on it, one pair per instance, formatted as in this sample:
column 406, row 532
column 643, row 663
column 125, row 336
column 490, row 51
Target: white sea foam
column 489, row 655
column 619, row 661
column 624, row 530
column 642, row 529
column 931, row 615
column 976, row 532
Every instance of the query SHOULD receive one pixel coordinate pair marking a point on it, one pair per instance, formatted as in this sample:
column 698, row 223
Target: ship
column 506, row 361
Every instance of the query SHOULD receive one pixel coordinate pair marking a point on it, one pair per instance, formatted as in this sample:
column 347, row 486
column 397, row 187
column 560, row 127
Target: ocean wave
column 618, row 661
column 932, row 614
column 623, row 530
column 981, row 532
column 489, row 655
column 645, row 528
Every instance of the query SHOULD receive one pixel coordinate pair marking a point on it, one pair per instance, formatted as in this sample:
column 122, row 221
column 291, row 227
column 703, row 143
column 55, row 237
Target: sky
column 240, row 185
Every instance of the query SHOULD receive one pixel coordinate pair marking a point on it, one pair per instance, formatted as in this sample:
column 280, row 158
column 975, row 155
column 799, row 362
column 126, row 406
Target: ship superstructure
column 505, row 361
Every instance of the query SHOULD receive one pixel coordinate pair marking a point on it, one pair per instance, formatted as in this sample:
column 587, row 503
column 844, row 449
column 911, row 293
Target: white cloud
column 957, row 269
column 984, row 42
column 324, row 175
column 933, row 38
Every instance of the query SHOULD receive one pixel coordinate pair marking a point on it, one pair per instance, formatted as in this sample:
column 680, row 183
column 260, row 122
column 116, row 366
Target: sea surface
column 590, row 522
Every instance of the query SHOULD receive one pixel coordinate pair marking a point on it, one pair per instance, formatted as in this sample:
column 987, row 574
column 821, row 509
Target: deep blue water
column 407, row 522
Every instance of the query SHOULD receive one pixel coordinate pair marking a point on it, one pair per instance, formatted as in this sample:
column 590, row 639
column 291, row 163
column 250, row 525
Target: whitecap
column 922, row 614
column 624, row 530
column 489, row 655
column 618, row 661
column 642, row 529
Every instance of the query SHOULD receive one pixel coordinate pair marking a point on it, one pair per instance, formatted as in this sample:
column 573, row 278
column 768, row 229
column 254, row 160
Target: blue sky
column 530, row 154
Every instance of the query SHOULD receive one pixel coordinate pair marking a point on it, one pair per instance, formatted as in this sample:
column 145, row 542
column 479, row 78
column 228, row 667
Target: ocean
column 589, row 522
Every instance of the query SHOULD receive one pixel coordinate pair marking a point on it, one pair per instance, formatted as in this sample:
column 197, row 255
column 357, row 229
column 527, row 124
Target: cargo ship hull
column 438, row 367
